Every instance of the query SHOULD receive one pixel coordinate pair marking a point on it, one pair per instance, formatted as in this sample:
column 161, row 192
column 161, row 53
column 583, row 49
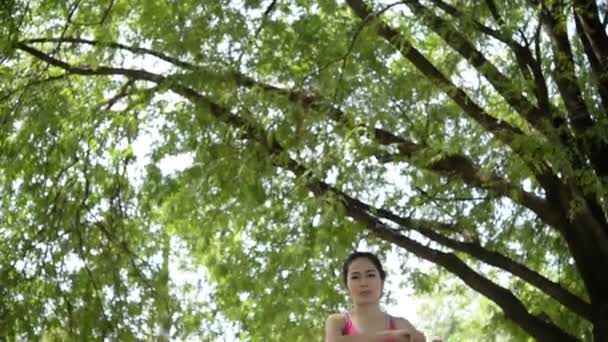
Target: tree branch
column 597, row 70
column 27, row 86
column 511, row 305
column 509, row 135
column 474, row 249
column 588, row 13
column 265, row 16
column 503, row 131
column 382, row 136
column 104, row 16
column 100, row 71
column 429, row 229
column 523, row 55
column 452, row 165
column 538, row 119
column 565, row 74
column 500, row 82
column 459, row 42
column 456, row 165
column 136, row 50
column 434, row 198
column 494, row 10
column 81, row 248
column 565, row 78
column 449, row 165
column 542, row 93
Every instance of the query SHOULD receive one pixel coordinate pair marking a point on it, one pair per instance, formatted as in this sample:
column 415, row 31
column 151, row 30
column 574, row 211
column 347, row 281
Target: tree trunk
column 162, row 307
column 600, row 320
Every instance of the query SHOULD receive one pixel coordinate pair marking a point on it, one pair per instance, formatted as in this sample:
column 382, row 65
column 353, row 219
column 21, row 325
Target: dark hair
column 356, row 255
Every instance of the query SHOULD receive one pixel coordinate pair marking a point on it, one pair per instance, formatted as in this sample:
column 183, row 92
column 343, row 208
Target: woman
column 364, row 277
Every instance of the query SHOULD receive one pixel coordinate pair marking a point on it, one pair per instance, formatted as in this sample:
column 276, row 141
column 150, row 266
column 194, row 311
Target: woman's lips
column 365, row 292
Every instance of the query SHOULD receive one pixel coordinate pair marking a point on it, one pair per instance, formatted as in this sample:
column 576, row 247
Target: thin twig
column 352, row 46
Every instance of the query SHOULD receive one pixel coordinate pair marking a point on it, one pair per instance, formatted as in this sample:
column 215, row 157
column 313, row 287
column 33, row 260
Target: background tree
column 470, row 134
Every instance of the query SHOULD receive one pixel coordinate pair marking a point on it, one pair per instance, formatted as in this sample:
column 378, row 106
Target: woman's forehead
column 361, row 265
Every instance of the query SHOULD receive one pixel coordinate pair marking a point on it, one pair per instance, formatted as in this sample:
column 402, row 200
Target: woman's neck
column 367, row 310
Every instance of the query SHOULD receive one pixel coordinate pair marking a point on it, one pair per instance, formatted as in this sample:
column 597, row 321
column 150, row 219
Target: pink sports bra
column 349, row 327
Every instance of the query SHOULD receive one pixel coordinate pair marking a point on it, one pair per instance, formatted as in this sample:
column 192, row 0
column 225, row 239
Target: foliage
column 469, row 134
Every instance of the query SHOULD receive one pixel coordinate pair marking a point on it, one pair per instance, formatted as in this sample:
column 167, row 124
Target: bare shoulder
column 335, row 319
column 333, row 327
column 403, row 323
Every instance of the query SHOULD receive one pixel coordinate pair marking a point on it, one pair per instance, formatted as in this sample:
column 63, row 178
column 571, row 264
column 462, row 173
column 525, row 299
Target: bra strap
column 347, row 323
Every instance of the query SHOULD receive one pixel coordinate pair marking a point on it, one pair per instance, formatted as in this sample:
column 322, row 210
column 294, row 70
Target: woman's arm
column 403, row 323
column 335, row 323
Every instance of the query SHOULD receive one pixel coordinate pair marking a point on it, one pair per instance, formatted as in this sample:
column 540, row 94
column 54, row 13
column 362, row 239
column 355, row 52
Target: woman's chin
column 365, row 301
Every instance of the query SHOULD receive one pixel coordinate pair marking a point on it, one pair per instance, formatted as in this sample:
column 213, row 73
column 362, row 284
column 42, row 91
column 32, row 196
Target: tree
column 469, row 134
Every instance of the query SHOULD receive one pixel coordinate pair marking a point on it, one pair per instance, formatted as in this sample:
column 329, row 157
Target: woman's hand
column 402, row 335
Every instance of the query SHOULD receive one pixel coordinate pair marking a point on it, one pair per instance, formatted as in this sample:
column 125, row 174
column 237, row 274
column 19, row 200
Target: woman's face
column 363, row 281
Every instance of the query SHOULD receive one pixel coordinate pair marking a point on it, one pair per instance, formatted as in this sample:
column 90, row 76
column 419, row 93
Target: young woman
column 363, row 277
